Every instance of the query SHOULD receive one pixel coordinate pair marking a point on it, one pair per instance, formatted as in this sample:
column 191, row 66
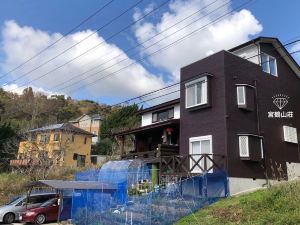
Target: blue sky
column 267, row 18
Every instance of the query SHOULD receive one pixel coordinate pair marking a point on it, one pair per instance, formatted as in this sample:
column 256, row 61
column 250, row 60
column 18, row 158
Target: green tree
column 8, row 144
column 120, row 118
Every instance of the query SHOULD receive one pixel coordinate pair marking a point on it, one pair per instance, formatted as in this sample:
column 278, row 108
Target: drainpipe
column 259, row 132
column 257, row 108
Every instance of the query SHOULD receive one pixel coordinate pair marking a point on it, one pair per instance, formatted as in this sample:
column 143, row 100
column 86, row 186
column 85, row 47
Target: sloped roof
column 278, row 46
column 67, row 127
column 82, row 185
column 92, row 116
column 160, row 106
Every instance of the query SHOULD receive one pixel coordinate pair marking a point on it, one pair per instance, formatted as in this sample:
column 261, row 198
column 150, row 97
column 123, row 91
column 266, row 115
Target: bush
column 104, row 147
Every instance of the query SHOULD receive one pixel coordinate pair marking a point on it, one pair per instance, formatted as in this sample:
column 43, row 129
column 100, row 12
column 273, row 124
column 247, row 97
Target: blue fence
column 131, row 197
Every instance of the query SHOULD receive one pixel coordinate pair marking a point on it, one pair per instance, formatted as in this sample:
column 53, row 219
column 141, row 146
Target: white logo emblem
column 280, row 101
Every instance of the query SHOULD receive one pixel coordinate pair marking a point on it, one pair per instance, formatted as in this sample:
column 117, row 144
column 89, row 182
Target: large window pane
column 164, row 115
column 205, row 147
column 191, row 95
column 265, row 62
column 204, row 93
column 272, row 64
column 195, row 150
column 171, row 113
column 241, row 98
column 199, row 92
column 196, row 147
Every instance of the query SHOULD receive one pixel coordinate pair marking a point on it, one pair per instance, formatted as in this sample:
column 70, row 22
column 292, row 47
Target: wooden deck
column 161, row 150
column 179, row 165
column 170, row 163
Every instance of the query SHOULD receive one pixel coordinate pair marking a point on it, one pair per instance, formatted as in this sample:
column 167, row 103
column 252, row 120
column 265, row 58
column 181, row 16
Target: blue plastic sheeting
column 134, row 202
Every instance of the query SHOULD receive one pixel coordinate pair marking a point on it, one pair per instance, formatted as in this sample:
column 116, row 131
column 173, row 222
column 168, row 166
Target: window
column 56, row 137
column 251, row 147
column 163, row 115
column 290, row 134
column 200, row 145
column 262, row 148
column 85, row 140
column 73, row 138
column 268, row 64
column 32, row 137
column 241, row 95
column 81, row 160
column 196, row 92
column 245, row 96
column 244, row 146
column 44, row 138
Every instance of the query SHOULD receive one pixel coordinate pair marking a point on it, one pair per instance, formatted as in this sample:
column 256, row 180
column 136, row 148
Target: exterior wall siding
column 209, row 120
column 276, row 151
column 224, row 120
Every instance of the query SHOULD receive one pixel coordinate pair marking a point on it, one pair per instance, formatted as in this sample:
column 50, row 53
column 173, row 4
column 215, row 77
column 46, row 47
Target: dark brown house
column 239, row 110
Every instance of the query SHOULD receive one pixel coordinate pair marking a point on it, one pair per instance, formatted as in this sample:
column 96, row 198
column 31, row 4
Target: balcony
column 161, row 150
column 22, row 162
column 183, row 165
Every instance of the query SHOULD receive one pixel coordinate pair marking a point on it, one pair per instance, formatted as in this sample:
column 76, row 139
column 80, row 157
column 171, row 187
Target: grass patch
column 278, row 205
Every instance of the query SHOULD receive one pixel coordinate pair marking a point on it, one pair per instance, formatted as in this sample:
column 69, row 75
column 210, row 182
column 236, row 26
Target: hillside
column 277, row 205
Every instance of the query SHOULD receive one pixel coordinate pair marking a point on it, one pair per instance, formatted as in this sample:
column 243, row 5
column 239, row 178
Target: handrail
column 192, row 163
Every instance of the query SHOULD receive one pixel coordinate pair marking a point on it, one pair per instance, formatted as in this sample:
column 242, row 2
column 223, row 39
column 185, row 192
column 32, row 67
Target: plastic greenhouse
column 131, row 195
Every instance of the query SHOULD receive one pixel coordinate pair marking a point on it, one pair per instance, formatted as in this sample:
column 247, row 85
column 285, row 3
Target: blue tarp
column 136, row 201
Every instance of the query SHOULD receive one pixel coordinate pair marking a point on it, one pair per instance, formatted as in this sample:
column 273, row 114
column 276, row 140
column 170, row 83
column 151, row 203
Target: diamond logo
column 280, row 101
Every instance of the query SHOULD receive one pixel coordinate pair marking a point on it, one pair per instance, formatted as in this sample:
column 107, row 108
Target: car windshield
column 15, row 200
column 49, row 202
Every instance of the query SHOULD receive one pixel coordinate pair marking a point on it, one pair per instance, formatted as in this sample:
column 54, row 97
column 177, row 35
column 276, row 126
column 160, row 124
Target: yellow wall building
column 63, row 144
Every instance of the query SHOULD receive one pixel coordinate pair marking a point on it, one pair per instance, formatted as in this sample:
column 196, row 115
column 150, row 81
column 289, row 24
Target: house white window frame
column 244, row 95
column 247, row 146
column 268, row 64
column 204, row 90
column 261, row 148
column 286, row 134
column 199, row 139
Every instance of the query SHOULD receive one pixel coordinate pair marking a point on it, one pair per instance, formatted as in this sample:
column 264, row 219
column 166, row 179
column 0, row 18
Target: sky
column 130, row 47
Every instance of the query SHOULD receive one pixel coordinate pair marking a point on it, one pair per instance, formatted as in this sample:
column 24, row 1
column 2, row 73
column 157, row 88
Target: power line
column 161, row 49
column 52, row 44
column 153, row 44
column 163, row 95
column 93, row 48
column 132, row 48
column 61, row 53
column 177, row 83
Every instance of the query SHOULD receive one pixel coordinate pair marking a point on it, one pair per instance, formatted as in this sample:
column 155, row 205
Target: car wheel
column 9, row 218
column 40, row 219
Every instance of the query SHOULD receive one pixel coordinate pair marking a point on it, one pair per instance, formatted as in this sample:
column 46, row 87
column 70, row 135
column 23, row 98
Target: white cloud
column 230, row 31
column 20, row 43
column 19, row 90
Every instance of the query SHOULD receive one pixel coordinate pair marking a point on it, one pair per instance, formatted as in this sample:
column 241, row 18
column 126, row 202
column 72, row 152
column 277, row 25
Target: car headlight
column 29, row 213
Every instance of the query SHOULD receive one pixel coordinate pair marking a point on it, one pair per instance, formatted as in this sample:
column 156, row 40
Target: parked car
column 46, row 212
column 11, row 211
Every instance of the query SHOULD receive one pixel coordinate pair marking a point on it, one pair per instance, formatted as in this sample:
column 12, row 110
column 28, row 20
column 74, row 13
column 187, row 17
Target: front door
column 198, row 146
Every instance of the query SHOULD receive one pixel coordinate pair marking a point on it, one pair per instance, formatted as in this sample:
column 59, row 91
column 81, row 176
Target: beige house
column 64, row 144
column 89, row 123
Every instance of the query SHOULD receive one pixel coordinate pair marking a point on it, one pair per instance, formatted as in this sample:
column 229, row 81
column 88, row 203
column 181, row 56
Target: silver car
column 10, row 212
